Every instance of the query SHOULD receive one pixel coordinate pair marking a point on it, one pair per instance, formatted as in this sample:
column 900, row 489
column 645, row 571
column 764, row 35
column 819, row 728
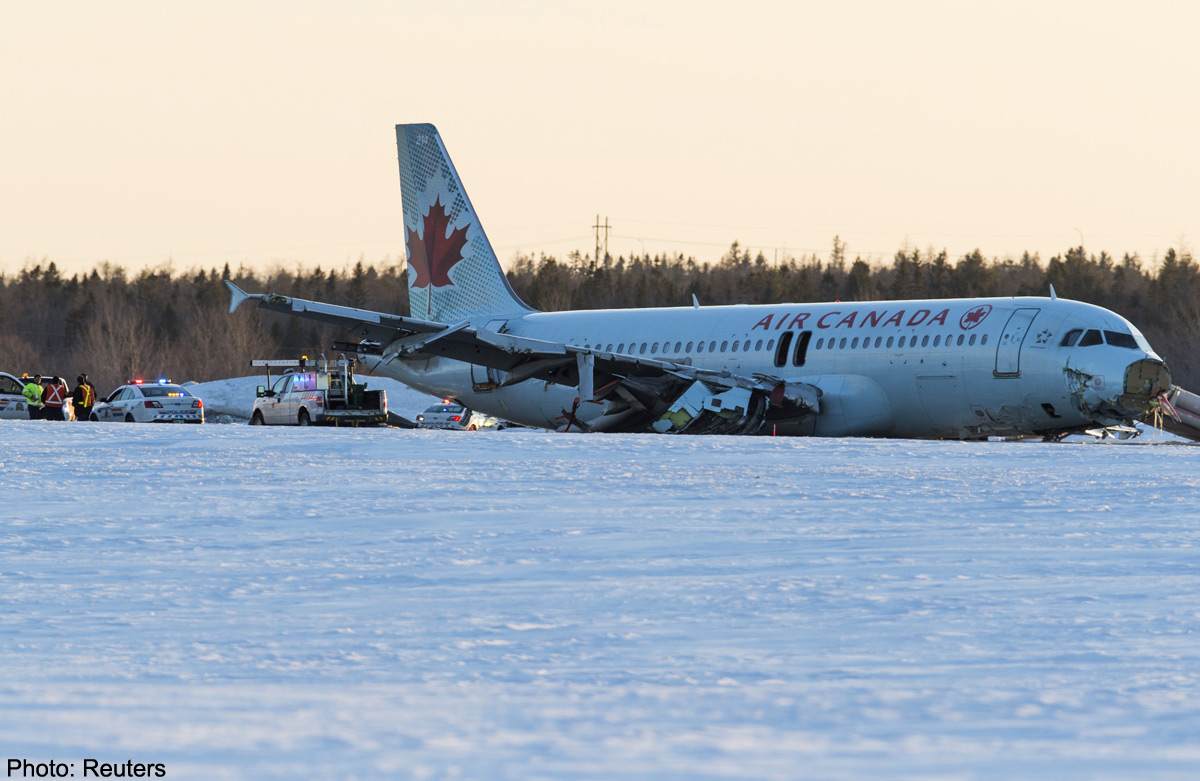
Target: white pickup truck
column 307, row 395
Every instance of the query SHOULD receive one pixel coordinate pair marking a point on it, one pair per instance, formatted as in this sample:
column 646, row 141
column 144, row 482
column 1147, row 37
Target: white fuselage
column 934, row 368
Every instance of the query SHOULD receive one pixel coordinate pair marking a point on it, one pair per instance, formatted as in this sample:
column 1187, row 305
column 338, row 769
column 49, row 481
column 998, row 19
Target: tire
column 129, row 417
column 472, row 427
column 303, row 418
column 94, row 418
column 257, row 419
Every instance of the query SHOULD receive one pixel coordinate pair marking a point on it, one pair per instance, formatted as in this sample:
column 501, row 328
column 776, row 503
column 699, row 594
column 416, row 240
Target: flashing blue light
column 163, row 381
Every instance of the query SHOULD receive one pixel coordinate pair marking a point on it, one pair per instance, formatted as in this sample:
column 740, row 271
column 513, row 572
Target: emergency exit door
column 1008, row 351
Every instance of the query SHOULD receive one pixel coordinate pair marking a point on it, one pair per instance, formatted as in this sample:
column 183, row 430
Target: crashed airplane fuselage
column 961, row 368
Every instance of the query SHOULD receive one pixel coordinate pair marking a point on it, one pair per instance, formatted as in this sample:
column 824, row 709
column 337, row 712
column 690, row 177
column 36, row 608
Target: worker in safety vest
column 33, row 397
column 53, row 400
column 83, row 397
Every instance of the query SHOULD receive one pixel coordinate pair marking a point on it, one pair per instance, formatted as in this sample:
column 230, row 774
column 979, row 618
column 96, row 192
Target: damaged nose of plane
column 1144, row 381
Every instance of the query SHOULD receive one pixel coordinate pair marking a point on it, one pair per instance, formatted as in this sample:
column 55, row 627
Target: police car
column 12, row 400
column 451, row 415
column 159, row 402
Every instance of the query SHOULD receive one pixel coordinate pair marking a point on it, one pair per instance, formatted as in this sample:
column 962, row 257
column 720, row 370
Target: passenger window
column 785, row 341
column 960, row 340
column 654, row 348
column 983, row 340
column 1117, row 339
column 854, row 344
column 621, row 347
column 802, row 349
column 820, row 343
column 925, row 340
column 901, row 342
column 842, row 344
column 937, row 340
column 758, row 345
column 689, row 347
column 746, row 346
column 725, row 346
column 1071, row 338
column 678, row 347
column 712, row 346
column 700, row 347
column 1092, row 337
column 770, row 344
column 889, row 341
column 642, row 350
column 972, row 340
column 878, row 341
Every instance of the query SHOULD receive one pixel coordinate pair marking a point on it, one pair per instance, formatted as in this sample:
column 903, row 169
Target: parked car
column 12, row 401
column 449, row 414
column 160, row 402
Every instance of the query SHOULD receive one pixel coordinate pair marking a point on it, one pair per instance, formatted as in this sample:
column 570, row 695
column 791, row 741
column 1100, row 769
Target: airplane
column 968, row 368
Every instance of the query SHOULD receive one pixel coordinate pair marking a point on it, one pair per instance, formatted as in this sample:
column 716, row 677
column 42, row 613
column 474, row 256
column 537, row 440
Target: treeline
column 114, row 325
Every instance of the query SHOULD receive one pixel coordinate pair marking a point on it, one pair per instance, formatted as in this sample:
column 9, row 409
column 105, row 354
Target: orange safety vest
column 55, row 395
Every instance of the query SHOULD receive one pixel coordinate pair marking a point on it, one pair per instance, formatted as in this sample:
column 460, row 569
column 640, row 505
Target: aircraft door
column 1008, row 351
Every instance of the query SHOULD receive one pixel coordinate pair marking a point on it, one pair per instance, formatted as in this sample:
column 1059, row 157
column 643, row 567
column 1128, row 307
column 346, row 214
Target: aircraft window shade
column 689, row 347
column 1091, row 338
column 758, row 345
column 785, row 342
column 854, row 344
column 972, row 340
column 725, row 346
column 1117, row 339
column 960, row 340
column 1071, row 338
column 801, row 354
column 820, row 343
column 925, row 340
column 983, row 339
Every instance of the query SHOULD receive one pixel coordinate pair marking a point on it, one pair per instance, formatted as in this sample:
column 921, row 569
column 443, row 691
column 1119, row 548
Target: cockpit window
column 1118, row 339
column 1090, row 338
column 1072, row 337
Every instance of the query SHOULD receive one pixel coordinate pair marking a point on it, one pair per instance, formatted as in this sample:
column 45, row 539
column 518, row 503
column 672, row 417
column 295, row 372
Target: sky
column 149, row 133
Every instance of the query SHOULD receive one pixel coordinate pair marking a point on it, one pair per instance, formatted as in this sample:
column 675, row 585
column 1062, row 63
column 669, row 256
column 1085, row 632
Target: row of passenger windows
column 737, row 345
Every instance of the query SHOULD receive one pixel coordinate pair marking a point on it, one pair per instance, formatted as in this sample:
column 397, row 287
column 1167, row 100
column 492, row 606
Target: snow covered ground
column 248, row 603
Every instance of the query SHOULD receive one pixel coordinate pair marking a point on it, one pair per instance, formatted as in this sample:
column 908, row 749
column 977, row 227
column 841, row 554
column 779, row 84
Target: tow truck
column 305, row 395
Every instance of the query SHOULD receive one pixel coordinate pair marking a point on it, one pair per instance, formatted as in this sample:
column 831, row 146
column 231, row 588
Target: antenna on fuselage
column 1053, row 295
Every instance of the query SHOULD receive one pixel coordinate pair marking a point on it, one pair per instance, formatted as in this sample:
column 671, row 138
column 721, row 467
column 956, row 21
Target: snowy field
column 247, row 603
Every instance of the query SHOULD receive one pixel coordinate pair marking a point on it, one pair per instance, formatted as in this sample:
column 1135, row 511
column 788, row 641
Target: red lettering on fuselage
column 940, row 317
column 871, row 319
column 765, row 323
column 821, row 322
column 798, row 320
column 897, row 318
column 847, row 321
column 924, row 313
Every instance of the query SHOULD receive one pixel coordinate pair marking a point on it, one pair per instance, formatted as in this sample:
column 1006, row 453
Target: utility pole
column 597, row 227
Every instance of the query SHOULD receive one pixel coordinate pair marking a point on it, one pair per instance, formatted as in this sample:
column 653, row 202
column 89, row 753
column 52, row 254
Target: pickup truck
column 316, row 395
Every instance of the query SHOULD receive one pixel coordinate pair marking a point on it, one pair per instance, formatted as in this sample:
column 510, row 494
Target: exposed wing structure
column 637, row 394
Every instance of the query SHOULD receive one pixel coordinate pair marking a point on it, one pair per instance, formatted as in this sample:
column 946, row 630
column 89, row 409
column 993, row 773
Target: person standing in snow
column 53, row 400
column 33, row 397
column 83, row 397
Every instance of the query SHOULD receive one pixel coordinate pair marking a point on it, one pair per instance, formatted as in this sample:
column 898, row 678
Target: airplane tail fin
column 453, row 272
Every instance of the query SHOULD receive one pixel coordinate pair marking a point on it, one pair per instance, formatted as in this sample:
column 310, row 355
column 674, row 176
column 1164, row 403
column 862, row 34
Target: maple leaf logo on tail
column 433, row 256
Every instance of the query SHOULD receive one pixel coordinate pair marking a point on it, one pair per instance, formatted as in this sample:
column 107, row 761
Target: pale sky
column 262, row 132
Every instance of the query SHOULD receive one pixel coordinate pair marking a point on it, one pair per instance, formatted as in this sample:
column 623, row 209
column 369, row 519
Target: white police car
column 141, row 402
column 451, row 415
column 12, row 400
